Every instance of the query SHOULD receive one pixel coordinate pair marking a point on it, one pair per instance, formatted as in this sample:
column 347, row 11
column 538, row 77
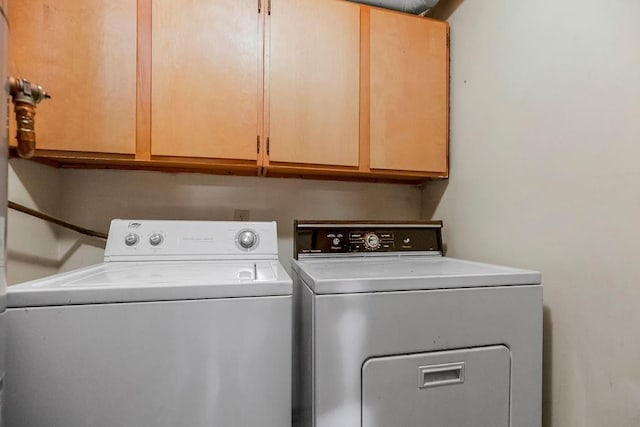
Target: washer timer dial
column 371, row 241
column 247, row 239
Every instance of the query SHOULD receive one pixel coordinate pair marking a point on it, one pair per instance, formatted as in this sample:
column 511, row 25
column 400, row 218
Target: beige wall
column 93, row 198
column 32, row 245
column 545, row 174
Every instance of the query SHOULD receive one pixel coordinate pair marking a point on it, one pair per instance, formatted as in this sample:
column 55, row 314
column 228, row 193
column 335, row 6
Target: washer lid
column 117, row 282
column 403, row 273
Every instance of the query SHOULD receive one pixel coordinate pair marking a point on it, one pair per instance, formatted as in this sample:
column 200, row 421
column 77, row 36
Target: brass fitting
column 25, row 97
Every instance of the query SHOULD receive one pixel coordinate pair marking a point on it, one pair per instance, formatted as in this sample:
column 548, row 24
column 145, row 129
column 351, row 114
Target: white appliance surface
column 386, row 337
column 154, row 281
column 176, row 327
column 189, row 240
column 454, row 388
column 399, row 273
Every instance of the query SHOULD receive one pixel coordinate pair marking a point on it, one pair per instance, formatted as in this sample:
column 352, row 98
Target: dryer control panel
column 328, row 238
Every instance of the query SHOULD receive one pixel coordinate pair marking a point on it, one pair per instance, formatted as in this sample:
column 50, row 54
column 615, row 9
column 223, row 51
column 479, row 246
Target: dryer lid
column 403, row 273
column 117, row 282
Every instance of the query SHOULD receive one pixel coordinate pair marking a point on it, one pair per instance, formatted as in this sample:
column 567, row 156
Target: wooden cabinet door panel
column 205, row 78
column 409, row 93
column 84, row 54
column 314, row 82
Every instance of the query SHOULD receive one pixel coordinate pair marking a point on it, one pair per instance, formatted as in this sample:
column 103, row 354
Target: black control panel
column 341, row 237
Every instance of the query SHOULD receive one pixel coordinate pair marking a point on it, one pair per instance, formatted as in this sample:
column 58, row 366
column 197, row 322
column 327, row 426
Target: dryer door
column 461, row 388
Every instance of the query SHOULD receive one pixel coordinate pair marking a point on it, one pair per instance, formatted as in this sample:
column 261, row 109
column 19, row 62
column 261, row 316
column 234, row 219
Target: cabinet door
column 314, row 82
column 205, row 78
column 84, row 54
column 409, row 93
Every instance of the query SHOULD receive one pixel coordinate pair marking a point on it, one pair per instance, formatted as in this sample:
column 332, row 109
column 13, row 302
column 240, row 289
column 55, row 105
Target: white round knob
column 131, row 239
column 247, row 239
column 336, row 241
column 155, row 239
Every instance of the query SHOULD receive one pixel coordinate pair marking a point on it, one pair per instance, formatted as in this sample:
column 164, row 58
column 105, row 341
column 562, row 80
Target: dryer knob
column 371, row 241
column 247, row 239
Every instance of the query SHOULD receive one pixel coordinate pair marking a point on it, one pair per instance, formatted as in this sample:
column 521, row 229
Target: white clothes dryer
column 184, row 324
column 389, row 332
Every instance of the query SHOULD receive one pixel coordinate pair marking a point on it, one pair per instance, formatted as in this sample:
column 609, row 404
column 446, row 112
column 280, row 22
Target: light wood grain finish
column 314, row 82
column 143, row 107
column 409, row 90
column 261, row 142
column 349, row 174
column 77, row 159
column 205, row 100
column 84, row 54
column 365, row 88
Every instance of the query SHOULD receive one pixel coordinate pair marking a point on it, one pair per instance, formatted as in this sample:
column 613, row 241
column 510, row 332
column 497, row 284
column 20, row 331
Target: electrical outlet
column 241, row 215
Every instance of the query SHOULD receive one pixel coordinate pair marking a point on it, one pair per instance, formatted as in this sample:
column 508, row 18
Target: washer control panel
column 342, row 238
column 176, row 240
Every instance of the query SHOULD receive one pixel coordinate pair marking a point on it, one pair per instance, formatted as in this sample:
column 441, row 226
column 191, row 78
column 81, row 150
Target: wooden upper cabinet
column 313, row 82
column 206, row 78
column 409, row 93
column 282, row 87
column 84, row 54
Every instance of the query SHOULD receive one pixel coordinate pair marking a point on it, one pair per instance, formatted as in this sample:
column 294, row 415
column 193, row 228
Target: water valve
column 25, row 97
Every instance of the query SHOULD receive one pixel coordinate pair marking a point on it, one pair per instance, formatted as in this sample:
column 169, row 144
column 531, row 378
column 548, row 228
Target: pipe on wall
column 409, row 6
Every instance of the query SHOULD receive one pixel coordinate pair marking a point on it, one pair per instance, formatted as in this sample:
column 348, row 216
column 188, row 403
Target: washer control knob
column 371, row 241
column 336, row 241
column 247, row 239
column 131, row 239
column 155, row 239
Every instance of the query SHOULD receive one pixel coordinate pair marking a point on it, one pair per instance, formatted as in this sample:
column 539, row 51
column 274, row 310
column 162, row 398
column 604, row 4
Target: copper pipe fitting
column 25, row 97
column 26, row 132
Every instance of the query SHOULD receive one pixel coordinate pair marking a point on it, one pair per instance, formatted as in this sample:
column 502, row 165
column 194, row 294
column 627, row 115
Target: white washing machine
column 388, row 332
column 184, row 324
